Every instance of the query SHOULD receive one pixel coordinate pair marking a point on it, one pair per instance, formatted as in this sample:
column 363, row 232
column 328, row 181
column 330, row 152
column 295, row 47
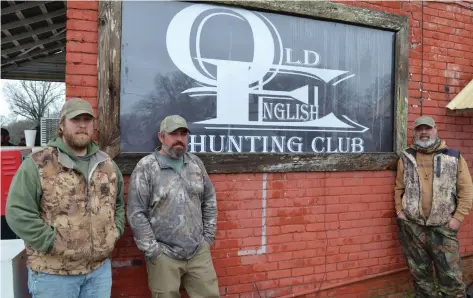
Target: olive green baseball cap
column 75, row 107
column 424, row 120
column 173, row 122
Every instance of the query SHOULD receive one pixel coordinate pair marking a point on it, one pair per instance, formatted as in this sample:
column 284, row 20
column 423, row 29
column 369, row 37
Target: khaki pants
column 197, row 274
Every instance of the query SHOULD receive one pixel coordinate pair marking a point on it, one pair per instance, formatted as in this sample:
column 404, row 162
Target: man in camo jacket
column 172, row 210
column 433, row 195
column 66, row 203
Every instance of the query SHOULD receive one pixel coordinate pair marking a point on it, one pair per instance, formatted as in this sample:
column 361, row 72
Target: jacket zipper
column 419, row 205
column 90, row 209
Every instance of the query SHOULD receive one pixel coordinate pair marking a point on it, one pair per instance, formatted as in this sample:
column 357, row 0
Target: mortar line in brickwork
column 324, row 185
column 354, row 281
column 422, row 62
column 262, row 249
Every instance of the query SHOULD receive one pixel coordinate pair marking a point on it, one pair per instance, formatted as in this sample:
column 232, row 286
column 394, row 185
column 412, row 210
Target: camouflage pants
column 438, row 246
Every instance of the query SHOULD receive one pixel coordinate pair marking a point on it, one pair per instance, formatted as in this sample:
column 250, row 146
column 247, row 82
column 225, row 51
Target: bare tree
column 34, row 99
column 3, row 120
column 17, row 128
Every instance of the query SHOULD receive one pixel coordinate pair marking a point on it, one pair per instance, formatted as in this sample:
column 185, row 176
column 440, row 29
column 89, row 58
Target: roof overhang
column 33, row 40
column 464, row 100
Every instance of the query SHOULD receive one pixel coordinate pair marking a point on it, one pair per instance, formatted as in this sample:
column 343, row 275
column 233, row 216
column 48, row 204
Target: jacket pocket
column 71, row 243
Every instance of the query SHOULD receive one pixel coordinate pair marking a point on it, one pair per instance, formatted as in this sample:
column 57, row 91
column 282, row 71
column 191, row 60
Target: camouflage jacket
column 168, row 212
column 444, row 202
column 81, row 211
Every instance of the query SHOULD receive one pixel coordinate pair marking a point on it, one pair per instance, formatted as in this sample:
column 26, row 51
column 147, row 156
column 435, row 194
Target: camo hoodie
column 168, row 212
column 68, row 218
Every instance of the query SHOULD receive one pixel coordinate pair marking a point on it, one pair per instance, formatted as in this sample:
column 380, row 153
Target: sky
column 4, row 110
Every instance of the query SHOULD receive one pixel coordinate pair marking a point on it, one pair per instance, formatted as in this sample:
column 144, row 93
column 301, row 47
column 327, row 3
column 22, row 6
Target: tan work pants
column 197, row 274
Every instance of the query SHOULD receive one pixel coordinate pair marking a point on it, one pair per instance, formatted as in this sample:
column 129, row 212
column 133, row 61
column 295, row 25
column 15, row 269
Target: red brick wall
column 333, row 232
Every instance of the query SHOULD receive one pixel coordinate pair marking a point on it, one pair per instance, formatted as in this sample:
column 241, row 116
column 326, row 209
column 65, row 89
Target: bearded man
column 172, row 210
column 433, row 195
column 66, row 203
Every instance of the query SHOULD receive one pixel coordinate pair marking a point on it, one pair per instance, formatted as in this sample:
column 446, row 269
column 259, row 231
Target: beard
column 77, row 141
column 424, row 144
column 175, row 152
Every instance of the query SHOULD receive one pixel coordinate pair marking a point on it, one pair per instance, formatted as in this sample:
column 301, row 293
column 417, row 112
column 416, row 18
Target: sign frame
column 109, row 63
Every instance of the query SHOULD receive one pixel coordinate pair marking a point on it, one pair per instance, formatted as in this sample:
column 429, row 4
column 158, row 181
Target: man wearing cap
column 433, row 195
column 66, row 203
column 172, row 210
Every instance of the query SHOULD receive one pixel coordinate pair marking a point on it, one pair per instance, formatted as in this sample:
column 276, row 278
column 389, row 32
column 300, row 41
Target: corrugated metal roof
column 33, row 40
column 464, row 99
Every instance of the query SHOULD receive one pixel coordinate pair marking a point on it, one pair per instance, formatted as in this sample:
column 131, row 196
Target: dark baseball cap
column 75, row 107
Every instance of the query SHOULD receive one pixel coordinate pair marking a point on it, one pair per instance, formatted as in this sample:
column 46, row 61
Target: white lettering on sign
column 273, row 144
column 234, row 82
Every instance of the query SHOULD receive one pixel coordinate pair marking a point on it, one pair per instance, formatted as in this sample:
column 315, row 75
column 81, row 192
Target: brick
column 226, row 243
column 302, row 271
column 81, row 80
column 267, row 284
column 240, row 288
column 350, row 248
column 81, row 58
column 83, row 5
column 82, row 25
column 239, row 270
column 82, row 69
column 291, row 281
column 431, row 87
column 358, row 255
column 81, row 36
column 275, row 257
column 337, row 275
column 287, row 264
column 253, row 277
column 337, row 208
column 81, row 92
column 455, row 53
column 277, row 274
column 462, row 63
column 247, row 260
column 267, row 267
column 437, row 43
column 292, row 229
column 337, row 258
column 81, row 14
column 431, row 11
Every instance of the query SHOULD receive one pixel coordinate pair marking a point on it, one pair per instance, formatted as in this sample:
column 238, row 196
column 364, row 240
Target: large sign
column 248, row 81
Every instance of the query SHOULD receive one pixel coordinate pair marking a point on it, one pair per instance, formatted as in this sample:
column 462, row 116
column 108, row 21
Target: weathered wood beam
column 110, row 23
column 325, row 10
column 271, row 162
column 109, row 63
column 401, row 77
column 35, row 19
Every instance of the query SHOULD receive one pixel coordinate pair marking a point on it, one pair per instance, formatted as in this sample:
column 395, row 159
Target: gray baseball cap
column 424, row 120
column 173, row 122
column 75, row 107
